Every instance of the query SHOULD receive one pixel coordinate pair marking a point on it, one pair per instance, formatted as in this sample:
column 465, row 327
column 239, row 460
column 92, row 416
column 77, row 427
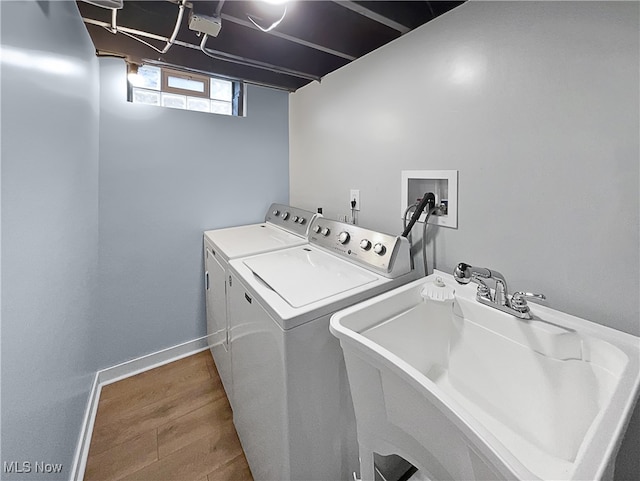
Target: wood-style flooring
column 172, row 423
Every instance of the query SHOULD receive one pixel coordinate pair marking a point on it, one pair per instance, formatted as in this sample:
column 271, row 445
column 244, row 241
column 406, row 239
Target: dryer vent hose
column 428, row 201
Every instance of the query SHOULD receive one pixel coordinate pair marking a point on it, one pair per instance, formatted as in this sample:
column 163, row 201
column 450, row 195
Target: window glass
column 221, row 89
column 174, row 101
column 148, row 97
column 199, row 104
column 149, row 77
column 185, row 84
column 218, row 107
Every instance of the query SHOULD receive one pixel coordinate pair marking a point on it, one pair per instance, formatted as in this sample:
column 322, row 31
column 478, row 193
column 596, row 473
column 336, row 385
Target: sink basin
column 464, row 391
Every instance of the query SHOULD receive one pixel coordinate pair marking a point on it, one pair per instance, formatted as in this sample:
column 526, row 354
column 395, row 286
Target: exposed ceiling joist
column 226, row 57
column 314, row 38
column 291, row 38
column 355, row 7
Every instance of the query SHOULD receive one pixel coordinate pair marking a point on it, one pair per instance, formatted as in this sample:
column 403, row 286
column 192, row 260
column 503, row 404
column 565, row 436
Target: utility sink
column 464, row 391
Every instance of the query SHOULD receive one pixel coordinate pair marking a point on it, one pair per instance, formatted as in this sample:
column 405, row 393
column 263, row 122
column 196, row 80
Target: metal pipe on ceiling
column 223, row 56
column 170, row 41
column 218, row 55
column 114, row 21
column 219, row 7
column 290, row 38
column 276, row 33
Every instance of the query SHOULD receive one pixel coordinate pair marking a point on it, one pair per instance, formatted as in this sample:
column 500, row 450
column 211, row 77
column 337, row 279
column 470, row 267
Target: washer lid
column 251, row 239
column 302, row 276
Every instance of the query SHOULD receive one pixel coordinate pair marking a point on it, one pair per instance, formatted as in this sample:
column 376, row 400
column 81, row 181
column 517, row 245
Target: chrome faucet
column 516, row 306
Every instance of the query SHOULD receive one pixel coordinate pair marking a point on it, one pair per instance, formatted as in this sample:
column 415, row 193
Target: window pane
column 221, row 89
column 218, row 107
column 149, row 77
column 148, row 97
column 174, row 101
column 185, row 84
column 199, row 104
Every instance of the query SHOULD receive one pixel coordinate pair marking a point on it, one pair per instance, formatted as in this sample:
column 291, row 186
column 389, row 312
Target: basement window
column 176, row 89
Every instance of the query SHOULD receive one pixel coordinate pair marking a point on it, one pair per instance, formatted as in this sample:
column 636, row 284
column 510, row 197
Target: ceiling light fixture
column 277, row 22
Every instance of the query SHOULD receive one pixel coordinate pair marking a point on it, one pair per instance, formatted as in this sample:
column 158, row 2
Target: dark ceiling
column 314, row 38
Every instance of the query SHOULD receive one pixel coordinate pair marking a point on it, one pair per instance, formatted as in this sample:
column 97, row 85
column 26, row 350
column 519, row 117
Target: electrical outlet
column 354, row 194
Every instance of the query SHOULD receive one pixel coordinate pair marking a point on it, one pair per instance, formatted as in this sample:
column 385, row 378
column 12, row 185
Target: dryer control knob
column 301, row 220
column 379, row 249
column 294, row 218
column 276, row 212
column 285, row 215
column 365, row 244
column 317, row 229
column 326, row 231
column 343, row 237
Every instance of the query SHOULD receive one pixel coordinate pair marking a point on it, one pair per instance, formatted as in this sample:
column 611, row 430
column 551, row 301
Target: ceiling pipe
column 290, row 38
column 219, row 7
column 170, row 41
column 114, row 21
column 252, row 63
column 130, row 32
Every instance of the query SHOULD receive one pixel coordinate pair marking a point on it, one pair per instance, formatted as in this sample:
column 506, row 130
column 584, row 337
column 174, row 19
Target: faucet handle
column 519, row 300
column 483, row 290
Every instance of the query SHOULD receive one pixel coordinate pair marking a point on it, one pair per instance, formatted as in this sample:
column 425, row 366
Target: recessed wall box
column 443, row 184
column 210, row 25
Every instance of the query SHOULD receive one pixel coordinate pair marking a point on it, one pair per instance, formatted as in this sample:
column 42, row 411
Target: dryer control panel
column 290, row 218
column 383, row 253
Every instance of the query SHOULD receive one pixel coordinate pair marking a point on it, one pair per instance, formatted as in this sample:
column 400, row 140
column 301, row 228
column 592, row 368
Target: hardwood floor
column 171, row 423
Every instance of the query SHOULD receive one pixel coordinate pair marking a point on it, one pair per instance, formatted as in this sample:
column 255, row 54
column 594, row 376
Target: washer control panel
column 389, row 255
column 290, row 218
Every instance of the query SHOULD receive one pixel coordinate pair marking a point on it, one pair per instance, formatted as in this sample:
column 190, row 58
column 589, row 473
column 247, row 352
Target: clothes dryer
column 284, row 226
column 293, row 409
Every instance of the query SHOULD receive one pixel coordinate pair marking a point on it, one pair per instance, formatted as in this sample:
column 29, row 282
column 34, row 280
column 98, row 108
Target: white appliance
column 284, row 226
column 293, row 409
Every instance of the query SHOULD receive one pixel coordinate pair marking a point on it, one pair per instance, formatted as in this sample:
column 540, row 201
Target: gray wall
column 165, row 177
column 536, row 105
column 49, row 230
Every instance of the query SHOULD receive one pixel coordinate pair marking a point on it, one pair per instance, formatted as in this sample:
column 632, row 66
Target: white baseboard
column 116, row 373
column 82, row 449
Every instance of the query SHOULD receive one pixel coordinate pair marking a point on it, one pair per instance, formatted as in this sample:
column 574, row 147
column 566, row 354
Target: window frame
column 238, row 89
column 165, row 73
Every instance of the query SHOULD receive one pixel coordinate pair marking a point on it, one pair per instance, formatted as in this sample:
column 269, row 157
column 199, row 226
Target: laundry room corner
column 166, row 176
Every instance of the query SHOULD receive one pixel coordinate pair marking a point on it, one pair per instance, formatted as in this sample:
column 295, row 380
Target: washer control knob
column 294, row 218
column 317, row 229
column 343, row 237
column 365, row 244
column 379, row 249
column 301, row 220
column 325, row 232
column 276, row 212
column 285, row 215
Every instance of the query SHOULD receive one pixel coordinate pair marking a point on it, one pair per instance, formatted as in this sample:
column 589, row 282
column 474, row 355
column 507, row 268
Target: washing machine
column 293, row 410
column 284, row 226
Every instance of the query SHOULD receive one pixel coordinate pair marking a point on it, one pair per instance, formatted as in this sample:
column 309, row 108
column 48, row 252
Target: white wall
column 49, row 231
column 536, row 105
column 165, row 177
